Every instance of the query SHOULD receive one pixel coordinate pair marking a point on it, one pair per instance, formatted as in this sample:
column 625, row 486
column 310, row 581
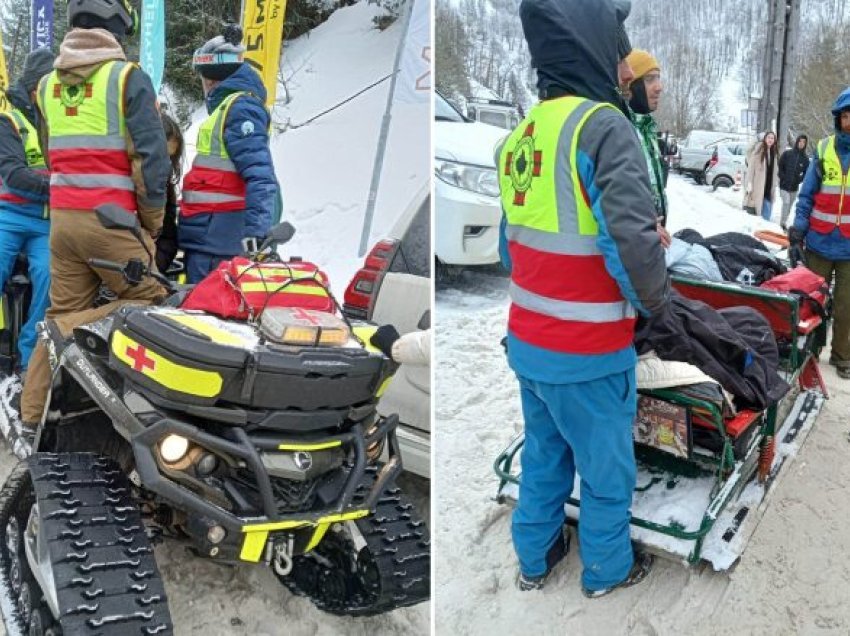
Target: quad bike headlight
column 173, row 448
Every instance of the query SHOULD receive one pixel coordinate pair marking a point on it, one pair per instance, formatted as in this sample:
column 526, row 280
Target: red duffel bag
column 810, row 287
column 242, row 289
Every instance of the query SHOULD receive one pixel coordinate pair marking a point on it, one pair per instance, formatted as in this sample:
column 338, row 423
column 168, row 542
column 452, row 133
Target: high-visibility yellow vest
column 563, row 298
column 828, row 204
column 213, row 184
column 87, row 139
column 35, row 161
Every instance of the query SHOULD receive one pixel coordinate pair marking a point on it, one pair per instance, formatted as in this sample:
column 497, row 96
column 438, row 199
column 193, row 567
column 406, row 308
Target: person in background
column 792, row 169
column 166, row 244
column 762, row 177
column 576, row 198
column 823, row 227
column 24, row 196
column 644, row 96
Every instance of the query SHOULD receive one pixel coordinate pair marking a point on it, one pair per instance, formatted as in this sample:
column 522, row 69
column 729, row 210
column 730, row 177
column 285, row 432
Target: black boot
column 555, row 555
column 640, row 568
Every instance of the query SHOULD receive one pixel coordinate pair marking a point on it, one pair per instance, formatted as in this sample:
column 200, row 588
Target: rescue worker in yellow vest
column 579, row 237
column 822, row 224
column 231, row 191
column 24, row 190
column 105, row 144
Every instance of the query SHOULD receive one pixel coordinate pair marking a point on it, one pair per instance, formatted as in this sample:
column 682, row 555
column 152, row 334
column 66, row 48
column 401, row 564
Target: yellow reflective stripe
column 365, row 333
column 384, row 386
column 2, row 311
column 165, row 372
column 279, row 288
column 204, row 327
column 259, row 272
column 317, row 537
column 252, row 547
column 309, row 447
column 289, row 525
column 211, row 133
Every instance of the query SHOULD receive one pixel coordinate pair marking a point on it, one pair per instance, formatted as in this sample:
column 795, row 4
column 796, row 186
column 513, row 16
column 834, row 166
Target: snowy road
column 791, row 580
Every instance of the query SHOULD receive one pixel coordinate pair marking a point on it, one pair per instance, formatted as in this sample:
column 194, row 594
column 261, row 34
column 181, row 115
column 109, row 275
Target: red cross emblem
column 140, row 358
column 300, row 314
column 523, row 164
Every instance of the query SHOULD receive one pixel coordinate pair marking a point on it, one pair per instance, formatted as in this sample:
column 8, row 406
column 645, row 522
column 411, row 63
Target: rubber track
column 401, row 547
column 107, row 579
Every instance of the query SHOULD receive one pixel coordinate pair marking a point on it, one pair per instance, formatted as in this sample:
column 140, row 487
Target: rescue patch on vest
column 247, row 129
column 523, row 163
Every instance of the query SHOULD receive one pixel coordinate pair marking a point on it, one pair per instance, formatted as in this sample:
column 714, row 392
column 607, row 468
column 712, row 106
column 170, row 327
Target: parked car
column 394, row 287
column 466, row 189
column 727, row 161
column 696, row 150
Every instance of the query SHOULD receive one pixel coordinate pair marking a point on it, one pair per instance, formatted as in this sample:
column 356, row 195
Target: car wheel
column 722, row 181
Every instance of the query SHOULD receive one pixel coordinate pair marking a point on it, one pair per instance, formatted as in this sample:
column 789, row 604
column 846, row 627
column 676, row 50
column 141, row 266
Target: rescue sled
column 704, row 481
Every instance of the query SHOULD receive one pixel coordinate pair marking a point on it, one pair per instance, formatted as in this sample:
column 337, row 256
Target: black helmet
column 117, row 16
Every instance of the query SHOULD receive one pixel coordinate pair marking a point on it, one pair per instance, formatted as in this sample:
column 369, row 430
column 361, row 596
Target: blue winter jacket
column 17, row 176
column 247, row 140
column 833, row 246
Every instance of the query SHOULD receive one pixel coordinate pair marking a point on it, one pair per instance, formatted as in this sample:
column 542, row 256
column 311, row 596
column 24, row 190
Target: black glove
column 795, row 236
column 384, row 338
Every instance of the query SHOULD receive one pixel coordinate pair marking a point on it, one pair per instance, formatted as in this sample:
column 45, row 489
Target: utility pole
column 778, row 67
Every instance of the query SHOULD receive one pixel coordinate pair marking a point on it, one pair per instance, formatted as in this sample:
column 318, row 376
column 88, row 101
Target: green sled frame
column 723, row 492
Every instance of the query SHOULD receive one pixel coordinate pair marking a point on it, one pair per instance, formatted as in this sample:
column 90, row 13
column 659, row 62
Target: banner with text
column 41, row 27
column 152, row 51
column 262, row 26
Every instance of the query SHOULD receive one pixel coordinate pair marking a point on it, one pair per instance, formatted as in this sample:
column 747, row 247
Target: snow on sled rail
column 701, row 502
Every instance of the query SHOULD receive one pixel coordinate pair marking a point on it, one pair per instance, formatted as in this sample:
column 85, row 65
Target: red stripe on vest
column 70, row 198
column 830, row 204
column 563, row 276
column 569, row 336
column 87, row 161
column 212, row 181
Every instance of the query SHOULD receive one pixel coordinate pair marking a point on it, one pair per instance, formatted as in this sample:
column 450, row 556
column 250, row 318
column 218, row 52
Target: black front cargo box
column 195, row 358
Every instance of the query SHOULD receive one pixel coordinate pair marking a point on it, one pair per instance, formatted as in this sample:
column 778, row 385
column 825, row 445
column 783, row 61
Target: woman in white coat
column 762, row 177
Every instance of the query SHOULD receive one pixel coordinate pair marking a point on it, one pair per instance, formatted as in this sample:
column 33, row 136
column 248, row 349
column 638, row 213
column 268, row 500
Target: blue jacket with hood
column 247, row 141
column 574, row 49
column 833, row 246
column 14, row 171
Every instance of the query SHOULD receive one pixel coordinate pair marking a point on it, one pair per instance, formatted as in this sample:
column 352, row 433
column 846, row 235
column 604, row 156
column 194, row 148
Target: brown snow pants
column 840, row 303
column 75, row 237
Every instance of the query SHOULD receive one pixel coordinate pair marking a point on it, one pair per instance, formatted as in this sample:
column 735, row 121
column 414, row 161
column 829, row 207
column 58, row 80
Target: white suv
column 466, row 190
column 394, row 288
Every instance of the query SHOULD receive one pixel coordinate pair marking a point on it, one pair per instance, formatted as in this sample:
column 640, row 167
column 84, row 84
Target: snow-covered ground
column 791, row 579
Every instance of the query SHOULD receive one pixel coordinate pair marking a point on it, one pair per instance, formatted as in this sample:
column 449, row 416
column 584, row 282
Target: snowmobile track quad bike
column 168, row 423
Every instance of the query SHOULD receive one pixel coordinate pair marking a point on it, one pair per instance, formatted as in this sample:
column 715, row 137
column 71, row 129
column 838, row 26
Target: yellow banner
column 262, row 26
column 4, row 79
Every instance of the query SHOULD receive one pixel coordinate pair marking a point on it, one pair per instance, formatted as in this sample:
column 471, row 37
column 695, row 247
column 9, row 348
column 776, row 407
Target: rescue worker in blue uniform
column 579, row 236
column 24, row 196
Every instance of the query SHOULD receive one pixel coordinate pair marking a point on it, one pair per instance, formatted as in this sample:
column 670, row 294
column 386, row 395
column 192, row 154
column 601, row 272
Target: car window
column 494, row 119
column 414, row 254
column 444, row 111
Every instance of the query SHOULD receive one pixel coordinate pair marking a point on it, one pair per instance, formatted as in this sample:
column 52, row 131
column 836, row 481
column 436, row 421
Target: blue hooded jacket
column 18, row 177
column 247, row 141
column 833, row 246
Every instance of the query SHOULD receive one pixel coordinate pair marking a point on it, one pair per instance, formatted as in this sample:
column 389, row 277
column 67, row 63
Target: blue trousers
column 19, row 233
column 199, row 264
column 766, row 209
column 584, row 427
